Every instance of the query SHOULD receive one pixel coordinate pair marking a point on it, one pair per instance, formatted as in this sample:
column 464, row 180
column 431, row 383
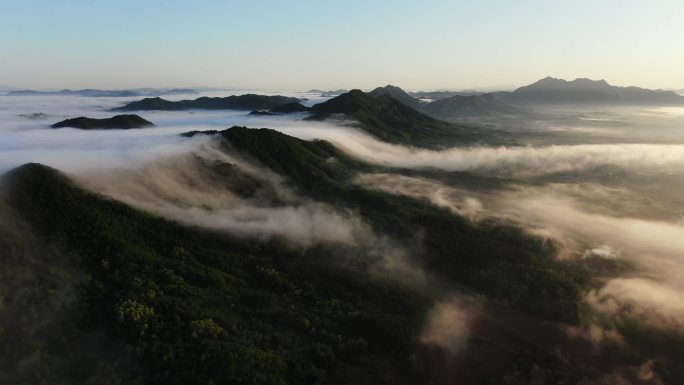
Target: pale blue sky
column 276, row 44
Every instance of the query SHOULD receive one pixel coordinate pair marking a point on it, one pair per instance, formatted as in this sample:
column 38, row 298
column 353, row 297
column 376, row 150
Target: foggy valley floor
column 269, row 249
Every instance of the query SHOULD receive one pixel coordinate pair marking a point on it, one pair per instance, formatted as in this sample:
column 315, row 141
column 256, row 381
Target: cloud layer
column 156, row 170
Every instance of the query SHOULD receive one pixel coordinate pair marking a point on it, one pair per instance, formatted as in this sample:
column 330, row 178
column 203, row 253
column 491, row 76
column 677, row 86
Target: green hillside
column 191, row 307
column 497, row 260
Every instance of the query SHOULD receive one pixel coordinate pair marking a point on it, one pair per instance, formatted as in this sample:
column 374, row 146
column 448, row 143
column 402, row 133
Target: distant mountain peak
column 387, row 88
column 552, row 80
column 390, row 87
column 396, row 93
column 347, row 103
column 550, row 90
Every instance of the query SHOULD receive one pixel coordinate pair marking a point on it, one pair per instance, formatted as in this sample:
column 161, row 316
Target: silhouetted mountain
column 34, row 116
column 84, row 92
column 162, row 92
column 397, row 94
column 451, row 108
column 115, row 122
column 393, row 122
column 241, row 102
column 6, row 88
column 107, row 93
column 330, row 94
column 585, row 91
column 326, row 93
column 284, row 109
column 154, row 104
column 262, row 113
column 439, row 95
column 290, row 107
column 470, row 106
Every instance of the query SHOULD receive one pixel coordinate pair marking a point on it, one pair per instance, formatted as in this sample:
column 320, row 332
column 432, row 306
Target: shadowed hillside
column 389, row 120
column 195, row 307
column 453, row 246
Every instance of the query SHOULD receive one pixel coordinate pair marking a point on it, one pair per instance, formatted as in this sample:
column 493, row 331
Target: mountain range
column 443, row 94
column 382, row 115
column 453, row 106
column 327, row 94
column 392, row 121
column 547, row 91
column 586, row 92
column 106, row 93
column 284, row 109
column 241, row 102
column 97, row 291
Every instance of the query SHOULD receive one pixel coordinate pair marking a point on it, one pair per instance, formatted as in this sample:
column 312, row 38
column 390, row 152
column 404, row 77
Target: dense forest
column 160, row 302
column 95, row 291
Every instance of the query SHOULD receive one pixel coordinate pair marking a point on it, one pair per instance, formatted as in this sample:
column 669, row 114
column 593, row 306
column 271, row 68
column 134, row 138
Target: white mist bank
column 183, row 188
column 26, row 136
column 653, row 250
column 25, row 140
column 134, row 166
column 523, row 161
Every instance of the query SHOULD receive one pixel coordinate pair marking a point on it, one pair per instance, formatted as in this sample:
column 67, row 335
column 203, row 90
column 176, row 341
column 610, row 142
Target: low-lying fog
column 604, row 184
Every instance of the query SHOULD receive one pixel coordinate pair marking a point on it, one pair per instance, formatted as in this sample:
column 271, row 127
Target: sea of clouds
column 157, row 170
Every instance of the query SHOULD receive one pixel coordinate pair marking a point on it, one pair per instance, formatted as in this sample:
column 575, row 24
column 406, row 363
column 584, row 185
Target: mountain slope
column 389, row 120
column 193, row 306
column 241, row 102
column 453, row 247
column 115, row 122
column 196, row 307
